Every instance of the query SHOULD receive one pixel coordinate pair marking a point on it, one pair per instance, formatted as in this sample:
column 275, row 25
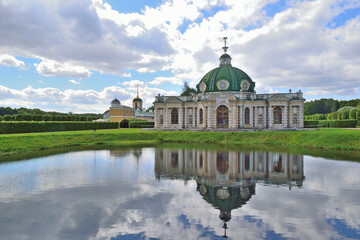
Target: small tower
column 225, row 59
column 137, row 102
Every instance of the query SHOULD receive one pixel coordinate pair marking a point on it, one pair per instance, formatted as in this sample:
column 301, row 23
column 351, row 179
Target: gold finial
column 137, row 91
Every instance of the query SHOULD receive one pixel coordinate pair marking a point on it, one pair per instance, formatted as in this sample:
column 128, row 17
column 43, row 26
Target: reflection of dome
column 226, row 198
column 115, row 102
column 226, row 78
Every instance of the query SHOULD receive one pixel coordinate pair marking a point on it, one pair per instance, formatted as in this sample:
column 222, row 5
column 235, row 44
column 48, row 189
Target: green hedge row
column 331, row 123
column 141, row 124
column 28, row 127
column 27, row 117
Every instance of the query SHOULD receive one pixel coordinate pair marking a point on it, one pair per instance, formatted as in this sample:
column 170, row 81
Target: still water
column 172, row 193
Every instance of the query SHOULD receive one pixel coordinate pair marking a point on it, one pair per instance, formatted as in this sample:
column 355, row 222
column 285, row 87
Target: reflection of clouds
column 116, row 195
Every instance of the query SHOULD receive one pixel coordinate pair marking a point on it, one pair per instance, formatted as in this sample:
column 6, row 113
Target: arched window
column 277, row 115
column 161, row 119
column 174, row 116
column 247, row 116
column 201, row 117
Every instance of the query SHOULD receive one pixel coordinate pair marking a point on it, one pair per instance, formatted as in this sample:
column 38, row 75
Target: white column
column 194, row 117
column 285, row 116
column 166, row 117
column 241, row 116
column 180, row 117
column 156, row 117
column 186, row 117
column 198, row 116
column 270, row 116
column 209, row 116
column 234, row 116
column 256, row 116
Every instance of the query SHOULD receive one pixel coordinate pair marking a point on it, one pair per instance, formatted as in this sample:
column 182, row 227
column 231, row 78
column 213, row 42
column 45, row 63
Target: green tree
column 345, row 114
column 27, row 117
column 7, row 117
column 352, row 114
column 19, row 117
column 358, row 114
column 187, row 90
column 47, row 118
column 1, row 118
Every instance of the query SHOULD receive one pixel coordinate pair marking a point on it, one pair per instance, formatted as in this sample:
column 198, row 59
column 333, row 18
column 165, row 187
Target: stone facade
column 230, row 110
column 226, row 99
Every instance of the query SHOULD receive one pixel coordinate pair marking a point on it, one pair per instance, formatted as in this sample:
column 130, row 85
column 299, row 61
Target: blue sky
column 78, row 55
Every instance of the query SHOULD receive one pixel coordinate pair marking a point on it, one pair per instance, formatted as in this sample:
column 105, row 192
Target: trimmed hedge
column 28, row 127
column 331, row 123
column 141, row 124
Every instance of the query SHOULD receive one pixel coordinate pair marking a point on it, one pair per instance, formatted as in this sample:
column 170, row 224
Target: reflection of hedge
column 141, row 124
column 331, row 123
column 27, row 127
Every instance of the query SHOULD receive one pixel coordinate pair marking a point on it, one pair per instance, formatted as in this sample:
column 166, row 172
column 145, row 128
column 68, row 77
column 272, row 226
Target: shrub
column 56, row 118
column 358, row 114
column 19, row 117
column 47, row 118
column 345, row 114
column 1, row 118
column 141, row 124
column 7, row 117
column 83, row 118
column 27, row 117
column 352, row 114
column 27, row 127
column 331, row 123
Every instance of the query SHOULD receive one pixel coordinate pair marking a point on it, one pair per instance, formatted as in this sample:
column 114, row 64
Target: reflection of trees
column 227, row 180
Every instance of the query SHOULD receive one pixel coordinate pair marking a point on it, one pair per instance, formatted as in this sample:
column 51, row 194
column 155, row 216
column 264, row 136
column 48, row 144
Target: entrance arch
column 222, row 117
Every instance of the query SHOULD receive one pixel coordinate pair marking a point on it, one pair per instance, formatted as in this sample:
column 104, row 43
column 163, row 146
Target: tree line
column 328, row 105
column 26, row 114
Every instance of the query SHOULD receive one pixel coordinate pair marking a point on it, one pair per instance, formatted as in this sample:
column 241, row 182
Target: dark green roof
column 233, row 75
column 225, row 55
column 137, row 100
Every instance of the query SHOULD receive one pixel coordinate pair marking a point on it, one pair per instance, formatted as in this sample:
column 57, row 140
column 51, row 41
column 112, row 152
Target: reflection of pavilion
column 227, row 180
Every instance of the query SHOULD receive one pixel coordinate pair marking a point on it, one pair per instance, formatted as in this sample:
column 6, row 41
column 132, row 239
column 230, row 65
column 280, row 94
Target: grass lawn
column 346, row 139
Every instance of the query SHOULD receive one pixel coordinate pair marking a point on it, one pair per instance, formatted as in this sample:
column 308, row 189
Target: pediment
column 278, row 97
column 173, row 100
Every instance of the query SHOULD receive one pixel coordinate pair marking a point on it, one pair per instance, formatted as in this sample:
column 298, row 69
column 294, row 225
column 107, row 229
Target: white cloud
column 79, row 101
column 294, row 49
column 74, row 81
column 128, row 75
column 160, row 80
column 10, row 61
column 50, row 68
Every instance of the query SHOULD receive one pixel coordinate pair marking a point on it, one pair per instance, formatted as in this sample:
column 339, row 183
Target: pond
column 179, row 193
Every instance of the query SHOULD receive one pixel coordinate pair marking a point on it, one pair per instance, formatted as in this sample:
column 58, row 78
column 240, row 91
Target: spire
column 225, row 59
column 137, row 91
column 225, row 47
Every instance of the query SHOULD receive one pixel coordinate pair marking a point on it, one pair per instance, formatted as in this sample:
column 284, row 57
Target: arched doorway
column 222, row 117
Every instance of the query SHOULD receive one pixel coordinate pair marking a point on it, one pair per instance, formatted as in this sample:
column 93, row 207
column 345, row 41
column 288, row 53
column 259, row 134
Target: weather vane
column 225, row 47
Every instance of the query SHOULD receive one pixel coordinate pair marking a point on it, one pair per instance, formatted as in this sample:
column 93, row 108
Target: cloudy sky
column 78, row 55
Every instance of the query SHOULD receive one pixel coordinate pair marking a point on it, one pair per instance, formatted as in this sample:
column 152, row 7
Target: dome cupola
column 115, row 103
column 225, row 77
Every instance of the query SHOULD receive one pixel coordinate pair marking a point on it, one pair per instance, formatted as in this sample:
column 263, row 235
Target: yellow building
column 119, row 112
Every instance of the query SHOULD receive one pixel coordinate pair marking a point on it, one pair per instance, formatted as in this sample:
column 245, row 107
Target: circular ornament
column 223, row 84
column 202, row 87
column 245, row 85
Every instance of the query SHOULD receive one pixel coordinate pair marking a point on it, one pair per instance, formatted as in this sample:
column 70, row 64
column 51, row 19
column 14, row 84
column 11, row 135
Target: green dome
column 137, row 100
column 226, row 78
column 225, row 55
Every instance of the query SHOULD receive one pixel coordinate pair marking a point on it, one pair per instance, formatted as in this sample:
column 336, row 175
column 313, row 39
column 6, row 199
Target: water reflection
column 169, row 193
column 227, row 180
